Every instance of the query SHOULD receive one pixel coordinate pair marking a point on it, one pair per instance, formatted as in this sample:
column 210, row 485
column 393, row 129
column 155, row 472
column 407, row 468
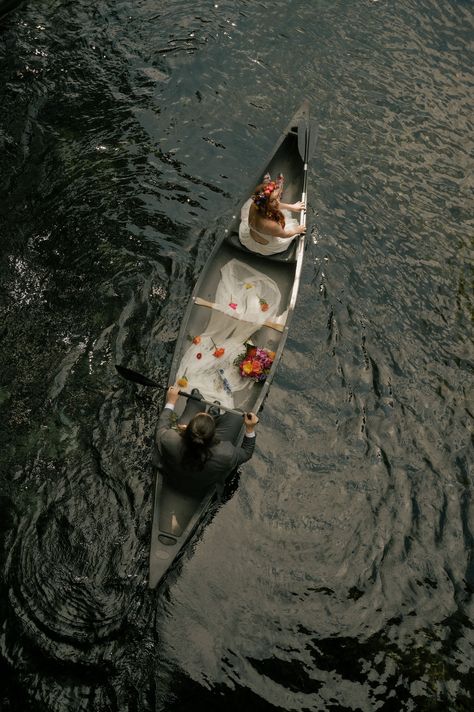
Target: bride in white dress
column 266, row 225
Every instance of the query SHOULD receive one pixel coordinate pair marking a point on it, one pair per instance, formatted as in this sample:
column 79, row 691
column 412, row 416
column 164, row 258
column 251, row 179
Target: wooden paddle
column 307, row 137
column 136, row 377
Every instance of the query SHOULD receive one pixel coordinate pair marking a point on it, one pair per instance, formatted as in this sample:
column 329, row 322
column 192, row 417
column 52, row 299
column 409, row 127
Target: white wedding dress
column 275, row 244
column 237, row 314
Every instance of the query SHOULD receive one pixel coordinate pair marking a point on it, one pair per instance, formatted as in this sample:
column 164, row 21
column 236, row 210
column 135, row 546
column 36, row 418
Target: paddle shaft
column 309, row 144
column 305, row 172
column 136, row 377
column 235, row 411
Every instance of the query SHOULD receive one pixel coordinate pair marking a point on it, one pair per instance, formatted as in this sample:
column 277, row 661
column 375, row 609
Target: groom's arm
column 165, row 421
column 245, row 451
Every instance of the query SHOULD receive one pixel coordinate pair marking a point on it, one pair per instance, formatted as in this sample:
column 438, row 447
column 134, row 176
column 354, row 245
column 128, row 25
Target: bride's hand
column 299, row 206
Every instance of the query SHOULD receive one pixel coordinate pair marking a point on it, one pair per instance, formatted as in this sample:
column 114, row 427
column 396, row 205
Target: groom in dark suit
column 197, row 456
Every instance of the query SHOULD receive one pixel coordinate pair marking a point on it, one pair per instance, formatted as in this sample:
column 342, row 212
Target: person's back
column 266, row 225
column 192, row 477
column 195, row 458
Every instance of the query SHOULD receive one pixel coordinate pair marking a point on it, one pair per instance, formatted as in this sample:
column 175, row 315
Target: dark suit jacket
column 224, row 459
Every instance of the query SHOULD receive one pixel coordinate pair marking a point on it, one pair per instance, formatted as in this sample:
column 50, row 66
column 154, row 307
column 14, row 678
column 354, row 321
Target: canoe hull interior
column 177, row 514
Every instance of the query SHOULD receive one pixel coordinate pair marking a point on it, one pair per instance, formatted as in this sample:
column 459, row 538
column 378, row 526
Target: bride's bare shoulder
column 272, row 228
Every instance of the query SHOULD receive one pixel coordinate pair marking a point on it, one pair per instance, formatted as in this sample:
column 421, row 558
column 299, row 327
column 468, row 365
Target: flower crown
column 261, row 198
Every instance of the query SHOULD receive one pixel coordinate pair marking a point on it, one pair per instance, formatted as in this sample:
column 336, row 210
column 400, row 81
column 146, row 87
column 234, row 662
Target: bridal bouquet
column 255, row 363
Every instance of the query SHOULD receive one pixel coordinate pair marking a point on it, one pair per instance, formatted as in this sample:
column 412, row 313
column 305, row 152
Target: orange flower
column 264, row 307
column 271, row 354
column 183, row 381
column 197, row 340
column 219, row 352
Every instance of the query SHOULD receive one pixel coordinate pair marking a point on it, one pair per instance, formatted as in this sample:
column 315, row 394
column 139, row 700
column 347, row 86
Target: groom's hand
column 251, row 421
column 172, row 394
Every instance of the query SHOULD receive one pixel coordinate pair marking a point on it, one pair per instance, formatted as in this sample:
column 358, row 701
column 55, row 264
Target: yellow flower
column 247, row 285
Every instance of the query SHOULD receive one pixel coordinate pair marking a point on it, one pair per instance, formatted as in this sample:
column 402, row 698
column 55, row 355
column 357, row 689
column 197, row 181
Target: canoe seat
column 289, row 255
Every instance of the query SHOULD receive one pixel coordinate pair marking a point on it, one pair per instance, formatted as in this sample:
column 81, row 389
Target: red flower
column 251, row 353
column 256, row 367
column 219, row 352
column 264, row 307
column 233, row 305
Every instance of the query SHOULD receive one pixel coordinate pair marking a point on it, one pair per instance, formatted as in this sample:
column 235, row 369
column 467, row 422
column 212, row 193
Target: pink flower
column 233, row 305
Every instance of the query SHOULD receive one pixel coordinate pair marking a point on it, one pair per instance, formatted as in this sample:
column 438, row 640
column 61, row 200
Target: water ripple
column 339, row 574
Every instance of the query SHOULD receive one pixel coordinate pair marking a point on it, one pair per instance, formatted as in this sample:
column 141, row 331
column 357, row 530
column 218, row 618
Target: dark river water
column 340, row 574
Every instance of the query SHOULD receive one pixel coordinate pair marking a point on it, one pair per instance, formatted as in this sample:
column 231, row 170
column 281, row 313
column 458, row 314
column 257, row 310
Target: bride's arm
column 295, row 207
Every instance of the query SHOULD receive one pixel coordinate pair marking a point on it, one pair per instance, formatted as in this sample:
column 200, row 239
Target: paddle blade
column 302, row 138
column 307, row 139
column 313, row 138
column 136, row 377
